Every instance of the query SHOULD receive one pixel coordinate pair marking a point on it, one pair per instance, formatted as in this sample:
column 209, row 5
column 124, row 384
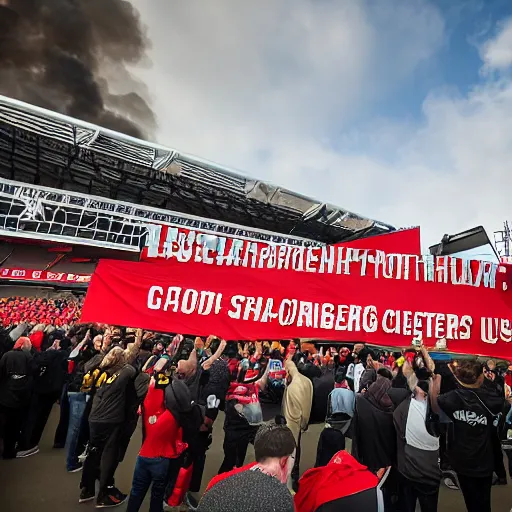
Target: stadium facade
column 72, row 192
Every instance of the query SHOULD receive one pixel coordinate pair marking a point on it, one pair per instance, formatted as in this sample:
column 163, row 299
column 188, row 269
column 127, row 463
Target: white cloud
column 273, row 88
column 497, row 53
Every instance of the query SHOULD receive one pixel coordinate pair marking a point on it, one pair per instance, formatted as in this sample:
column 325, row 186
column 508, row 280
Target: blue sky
column 457, row 63
column 400, row 110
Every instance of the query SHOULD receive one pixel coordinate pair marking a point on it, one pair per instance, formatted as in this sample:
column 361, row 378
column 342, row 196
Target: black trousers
column 499, row 465
column 127, row 430
column 102, row 456
column 476, row 492
column 412, row 492
column 296, row 466
column 235, row 447
column 61, row 431
column 12, row 421
column 36, row 419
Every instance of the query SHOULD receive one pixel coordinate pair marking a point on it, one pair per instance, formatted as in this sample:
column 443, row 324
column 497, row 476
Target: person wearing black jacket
column 474, row 410
column 374, row 439
column 16, row 382
column 322, row 387
column 373, row 433
column 105, row 424
column 496, row 384
column 48, row 383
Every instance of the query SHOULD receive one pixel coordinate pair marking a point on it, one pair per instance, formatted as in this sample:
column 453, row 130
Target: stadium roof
column 41, row 147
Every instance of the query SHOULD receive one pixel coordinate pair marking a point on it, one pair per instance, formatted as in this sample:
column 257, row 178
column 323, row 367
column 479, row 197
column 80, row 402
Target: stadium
column 72, row 193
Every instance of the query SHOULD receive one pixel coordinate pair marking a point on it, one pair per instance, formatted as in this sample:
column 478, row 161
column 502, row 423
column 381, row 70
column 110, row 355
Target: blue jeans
column 77, row 403
column 147, row 471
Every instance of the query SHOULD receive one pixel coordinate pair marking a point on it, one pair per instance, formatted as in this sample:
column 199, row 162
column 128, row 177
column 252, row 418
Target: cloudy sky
column 400, row 110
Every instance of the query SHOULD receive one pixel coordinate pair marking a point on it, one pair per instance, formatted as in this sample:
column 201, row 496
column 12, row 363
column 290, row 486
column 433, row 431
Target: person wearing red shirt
column 164, row 410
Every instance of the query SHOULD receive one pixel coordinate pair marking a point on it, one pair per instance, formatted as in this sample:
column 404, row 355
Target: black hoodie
column 187, row 413
column 51, row 371
column 16, row 378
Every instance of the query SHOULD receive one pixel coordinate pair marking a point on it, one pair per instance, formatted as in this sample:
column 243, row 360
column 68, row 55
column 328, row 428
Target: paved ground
column 41, row 483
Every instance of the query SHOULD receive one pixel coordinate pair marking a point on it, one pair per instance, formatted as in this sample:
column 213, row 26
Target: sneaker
column 27, row 453
column 499, row 481
column 449, row 482
column 81, row 458
column 113, row 498
column 76, row 468
column 86, row 495
column 114, row 491
column 169, row 508
column 191, row 501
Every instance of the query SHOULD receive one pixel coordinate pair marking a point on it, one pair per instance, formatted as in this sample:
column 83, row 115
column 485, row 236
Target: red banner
column 361, row 300
column 187, row 245
column 23, row 274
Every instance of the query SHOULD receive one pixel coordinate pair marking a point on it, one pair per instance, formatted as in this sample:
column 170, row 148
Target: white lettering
column 387, row 319
column 465, row 327
column 327, row 317
column 189, row 301
column 155, row 302
column 236, row 303
column 173, row 298
column 287, row 311
column 370, row 320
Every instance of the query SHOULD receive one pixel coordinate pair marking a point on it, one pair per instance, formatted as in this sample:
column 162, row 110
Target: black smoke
column 73, row 57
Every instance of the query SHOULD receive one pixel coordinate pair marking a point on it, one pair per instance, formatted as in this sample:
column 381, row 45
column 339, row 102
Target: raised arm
column 262, row 381
column 434, row 393
column 429, row 363
column 208, row 363
column 133, row 348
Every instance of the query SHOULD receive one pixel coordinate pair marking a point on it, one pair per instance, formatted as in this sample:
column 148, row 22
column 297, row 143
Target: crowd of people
column 413, row 423
column 59, row 312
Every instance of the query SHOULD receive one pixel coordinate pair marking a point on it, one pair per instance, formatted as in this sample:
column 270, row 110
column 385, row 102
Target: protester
column 342, row 485
column 297, row 402
column 79, row 391
column 396, row 421
column 50, row 375
column 165, row 412
column 340, row 410
column 496, row 383
column 357, row 365
column 418, row 449
column 196, row 374
column 261, row 485
column 474, row 411
column 243, row 416
column 322, row 387
column 373, row 432
column 16, row 382
column 214, row 378
column 105, row 422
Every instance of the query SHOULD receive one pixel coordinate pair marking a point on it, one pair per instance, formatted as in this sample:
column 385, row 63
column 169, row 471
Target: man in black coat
column 16, row 382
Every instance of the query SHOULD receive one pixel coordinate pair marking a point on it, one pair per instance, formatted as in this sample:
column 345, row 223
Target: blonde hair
column 115, row 358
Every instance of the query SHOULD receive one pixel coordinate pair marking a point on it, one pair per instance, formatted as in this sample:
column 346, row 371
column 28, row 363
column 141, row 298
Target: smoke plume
column 73, row 57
